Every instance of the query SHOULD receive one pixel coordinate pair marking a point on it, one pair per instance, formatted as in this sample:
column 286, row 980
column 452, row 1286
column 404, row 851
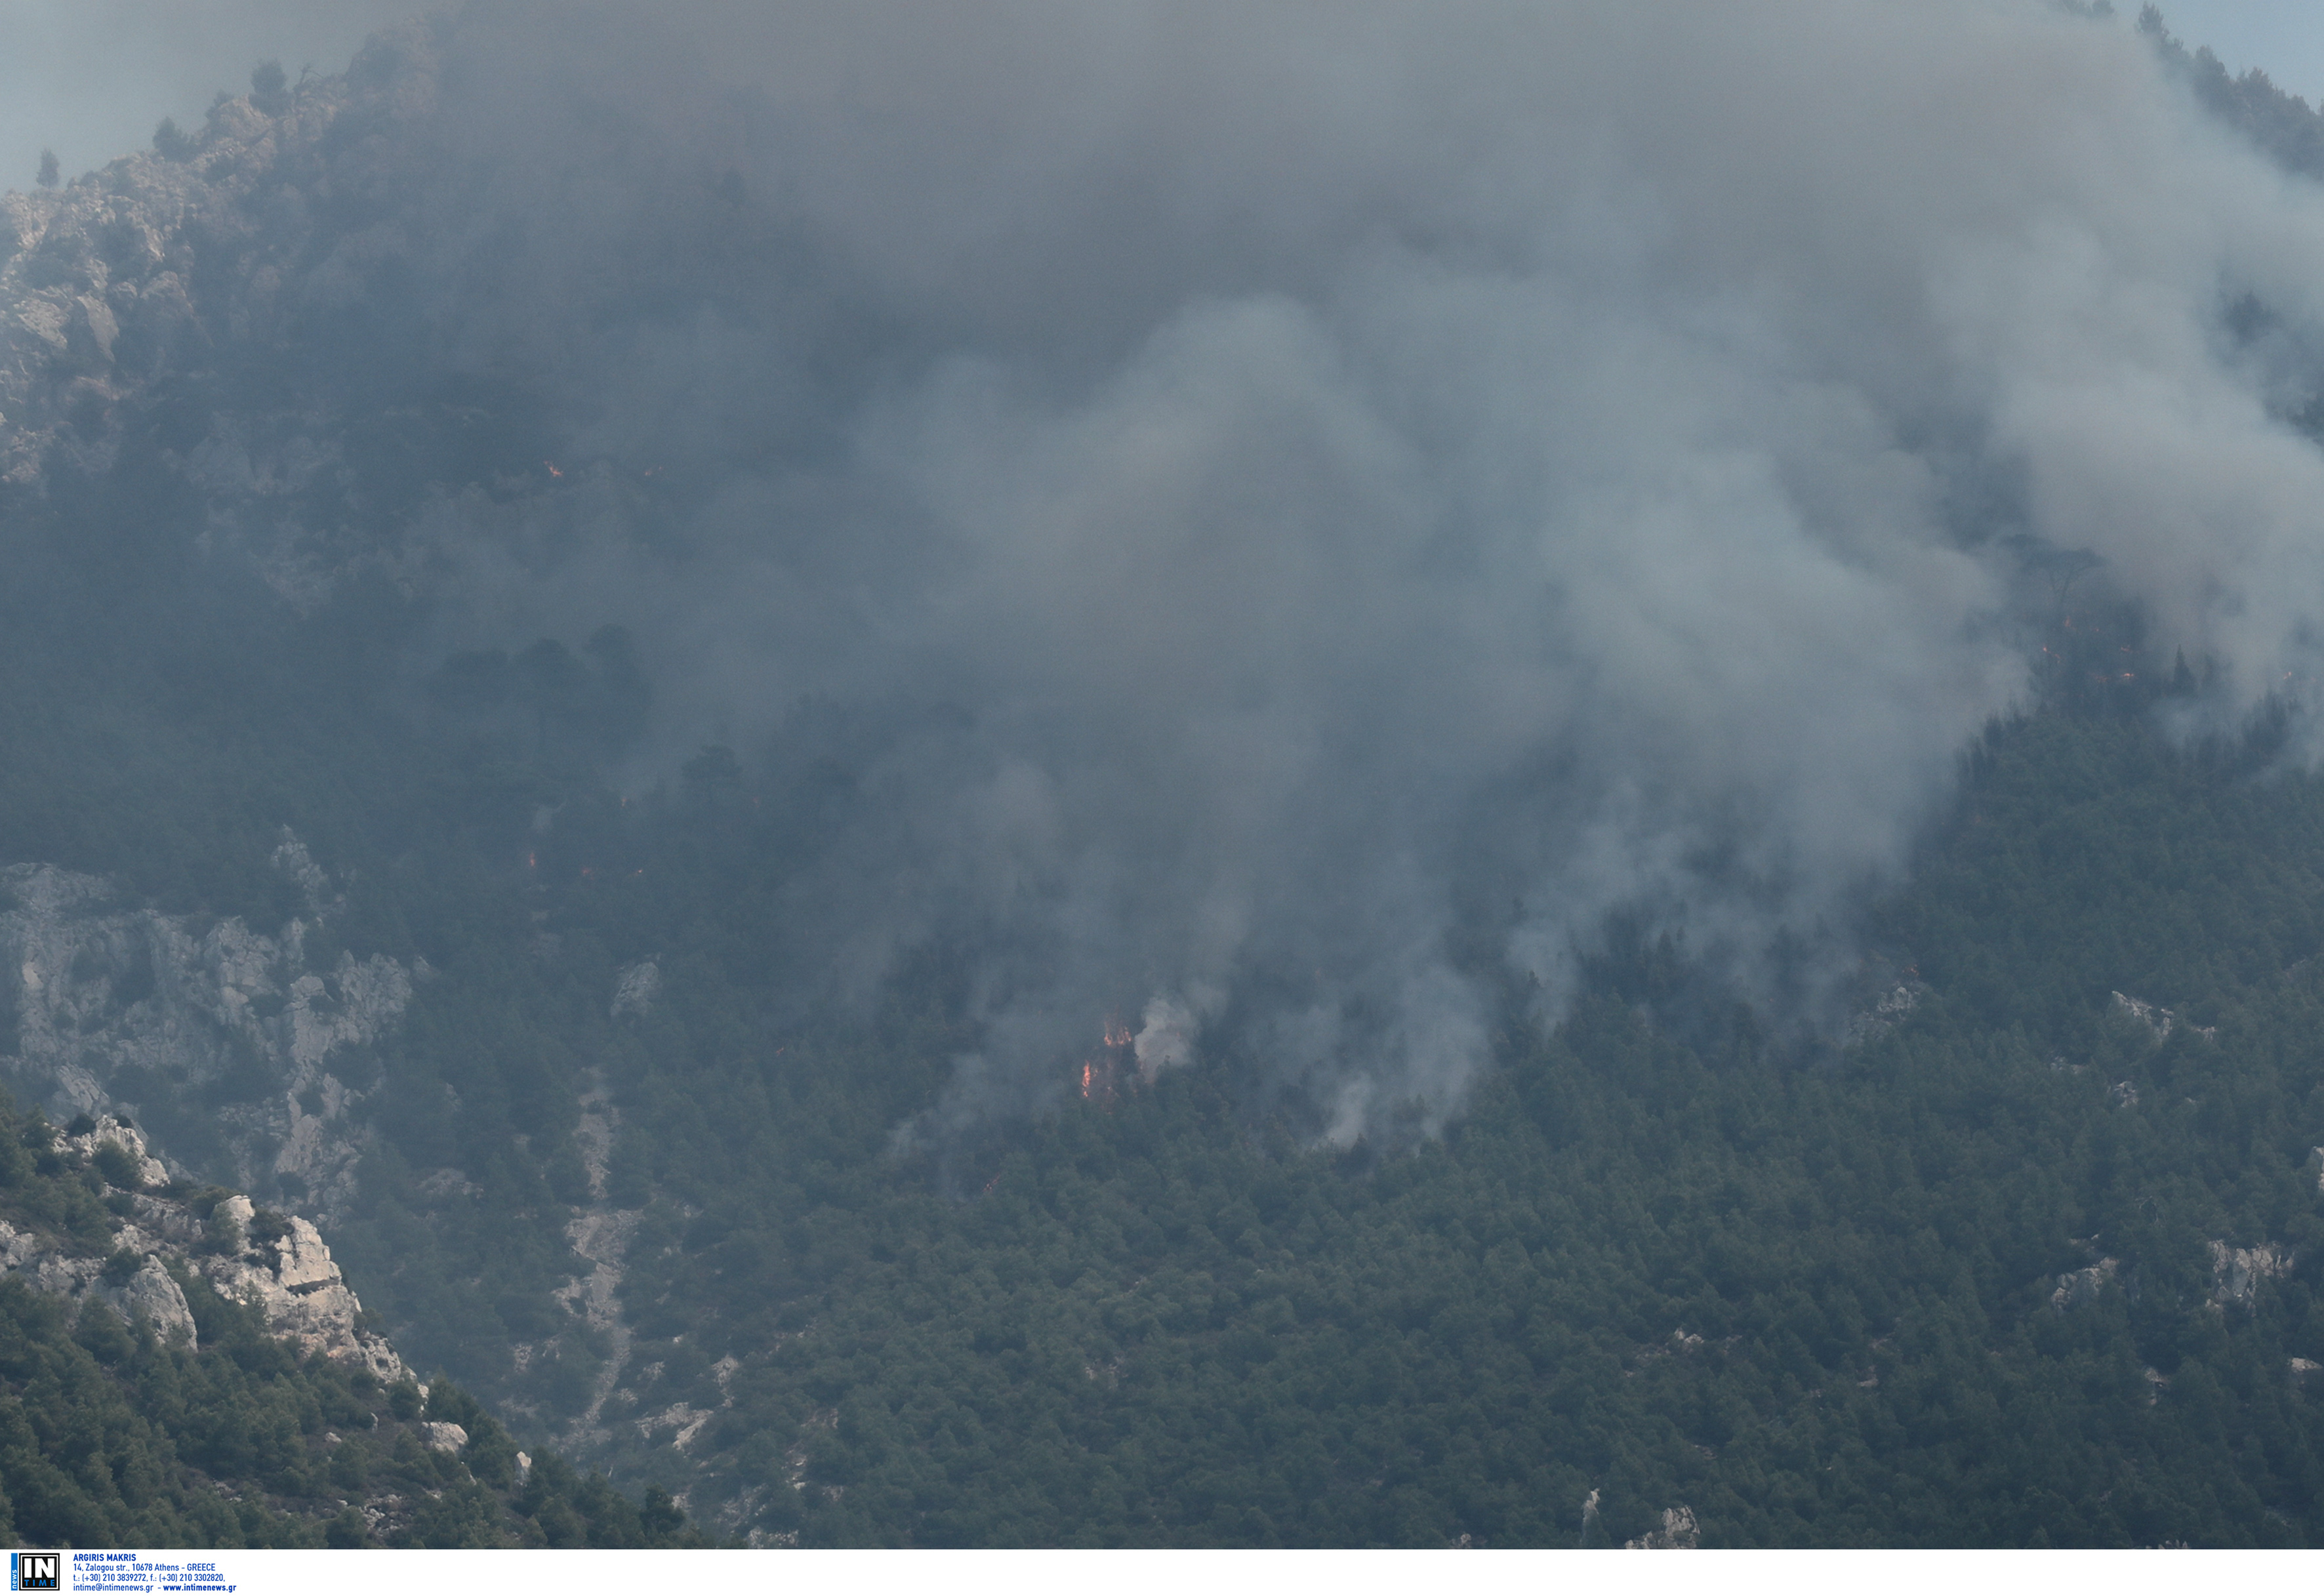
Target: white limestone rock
column 2159, row 1021
column 1878, row 1018
column 290, row 1280
column 1678, row 1533
column 154, row 1294
column 112, row 1128
column 278, row 1264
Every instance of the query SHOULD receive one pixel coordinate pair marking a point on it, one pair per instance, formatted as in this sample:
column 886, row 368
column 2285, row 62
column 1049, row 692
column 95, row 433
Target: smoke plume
column 1292, row 514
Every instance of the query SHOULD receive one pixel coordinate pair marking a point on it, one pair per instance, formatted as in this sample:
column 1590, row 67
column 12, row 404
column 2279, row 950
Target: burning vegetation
column 1113, row 1067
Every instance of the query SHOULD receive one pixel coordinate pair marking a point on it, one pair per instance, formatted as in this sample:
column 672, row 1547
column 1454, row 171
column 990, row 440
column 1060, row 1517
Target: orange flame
column 1101, row 1075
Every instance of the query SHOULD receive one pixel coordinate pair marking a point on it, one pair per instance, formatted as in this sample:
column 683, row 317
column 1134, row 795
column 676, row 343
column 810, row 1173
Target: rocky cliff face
column 222, row 1037
column 275, row 1263
column 148, row 1411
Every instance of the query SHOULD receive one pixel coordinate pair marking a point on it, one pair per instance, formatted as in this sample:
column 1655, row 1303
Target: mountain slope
column 179, row 1368
column 2030, row 1262
column 666, row 1094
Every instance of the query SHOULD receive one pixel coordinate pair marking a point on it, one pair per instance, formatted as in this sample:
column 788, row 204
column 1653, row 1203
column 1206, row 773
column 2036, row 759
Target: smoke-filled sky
column 90, row 77
column 1264, row 493
column 1292, row 514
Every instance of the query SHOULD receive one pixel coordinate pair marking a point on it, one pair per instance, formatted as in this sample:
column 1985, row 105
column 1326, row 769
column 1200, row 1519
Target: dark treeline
column 2278, row 122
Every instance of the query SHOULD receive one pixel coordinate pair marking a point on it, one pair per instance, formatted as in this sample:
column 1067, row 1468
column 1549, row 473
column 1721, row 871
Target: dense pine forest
column 2024, row 1264
column 2015, row 1261
column 369, row 835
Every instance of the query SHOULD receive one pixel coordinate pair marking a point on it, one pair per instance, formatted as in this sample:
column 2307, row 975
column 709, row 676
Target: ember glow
column 1102, row 1076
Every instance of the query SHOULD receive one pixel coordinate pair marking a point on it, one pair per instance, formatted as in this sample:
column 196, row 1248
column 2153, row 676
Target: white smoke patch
column 1170, row 1028
column 1241, row 484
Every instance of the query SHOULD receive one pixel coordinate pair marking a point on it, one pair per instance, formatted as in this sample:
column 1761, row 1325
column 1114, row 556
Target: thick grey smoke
column 1266, row 486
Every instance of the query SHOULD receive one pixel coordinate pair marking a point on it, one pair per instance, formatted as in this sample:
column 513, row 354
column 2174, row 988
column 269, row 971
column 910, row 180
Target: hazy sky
column 90, row 77
column 2284, row 38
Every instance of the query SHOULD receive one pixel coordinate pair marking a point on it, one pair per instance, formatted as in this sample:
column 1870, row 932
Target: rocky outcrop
column 151, row 1292
column 1678, row 1533
column 1878, row 996
column 2077, row 1287
column 2158, row 1022
column 275, row 1263
column 2237, row 1272
column 1880, row 1017
column 285, row 1271
column 108, row 1130
column 224, row 1037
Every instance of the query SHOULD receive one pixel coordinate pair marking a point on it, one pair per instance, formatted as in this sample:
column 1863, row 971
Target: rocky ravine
column 600, row 1235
